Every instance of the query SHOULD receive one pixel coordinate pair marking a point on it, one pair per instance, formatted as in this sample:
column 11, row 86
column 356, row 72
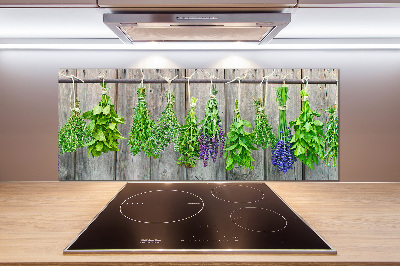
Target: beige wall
column 369, row 101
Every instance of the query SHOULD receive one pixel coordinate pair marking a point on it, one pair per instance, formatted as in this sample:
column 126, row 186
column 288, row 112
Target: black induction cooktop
column 198, row 217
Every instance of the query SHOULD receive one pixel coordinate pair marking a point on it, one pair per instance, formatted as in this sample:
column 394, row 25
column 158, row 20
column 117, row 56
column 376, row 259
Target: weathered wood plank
column 66, row 161
column 129, row 167
column 321, row 97
column 87, row 167
column 333, row 93
column 248, row 92
column 293, row 111
column 213, row 171
column 165, row 167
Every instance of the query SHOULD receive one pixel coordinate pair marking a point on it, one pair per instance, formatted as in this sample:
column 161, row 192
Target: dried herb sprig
column 262, row 134
column 188, row 141
column 103, row 126
column 282, row 154
column 239, row 146
column 212, row 137
column 332, row 137
column 308, row 140
column 142, row 126
column 74, row 134
column 166, row 130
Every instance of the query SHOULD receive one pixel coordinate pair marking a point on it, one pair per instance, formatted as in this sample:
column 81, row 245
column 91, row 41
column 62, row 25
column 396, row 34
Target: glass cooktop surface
column 198, row 217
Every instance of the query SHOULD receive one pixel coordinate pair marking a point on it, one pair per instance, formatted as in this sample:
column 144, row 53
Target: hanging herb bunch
column 103, row 126
column 166, row 129
column 308, row 140
column 212, row 137
column 74, row 134
column 332, row 137
column 142, row 126
column 282, row 154
column 262, row 135
column 188, row 141
column 239, row 146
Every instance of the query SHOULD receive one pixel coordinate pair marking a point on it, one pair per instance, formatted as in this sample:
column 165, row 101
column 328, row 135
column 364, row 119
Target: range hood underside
column 222, row 27
column 196, row 33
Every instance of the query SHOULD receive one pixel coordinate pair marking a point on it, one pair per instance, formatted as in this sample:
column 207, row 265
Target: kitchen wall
column 369, row 101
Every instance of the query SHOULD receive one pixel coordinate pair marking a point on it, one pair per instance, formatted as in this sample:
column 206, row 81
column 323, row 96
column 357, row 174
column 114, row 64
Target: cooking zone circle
column 257, row 219
column 161, row 206
column 237, row 193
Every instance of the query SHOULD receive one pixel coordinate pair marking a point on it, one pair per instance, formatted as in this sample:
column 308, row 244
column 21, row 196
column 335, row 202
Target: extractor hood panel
column 246, row 27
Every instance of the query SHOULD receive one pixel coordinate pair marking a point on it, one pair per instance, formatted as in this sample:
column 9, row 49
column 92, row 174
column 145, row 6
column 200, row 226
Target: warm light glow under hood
column 244, row 27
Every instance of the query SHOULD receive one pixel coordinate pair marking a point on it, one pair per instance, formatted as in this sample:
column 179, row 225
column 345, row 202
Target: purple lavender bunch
column 212, row 137
column 282, row 154
column 211, row 145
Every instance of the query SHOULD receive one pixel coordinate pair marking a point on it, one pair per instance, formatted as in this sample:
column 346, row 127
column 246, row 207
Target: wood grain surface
column 360, row 220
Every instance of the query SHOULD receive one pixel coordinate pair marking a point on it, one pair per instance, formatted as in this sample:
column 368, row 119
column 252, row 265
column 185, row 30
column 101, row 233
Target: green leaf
column 97, row 110
column 99, row 146
column 87, row 115
column 106, row 110
column 247, row 123
column 307, row 126
column 299, row 150
column 91, row 125
column 93, row 141
column 112, row 126
column 231, row 147
column 99, row 135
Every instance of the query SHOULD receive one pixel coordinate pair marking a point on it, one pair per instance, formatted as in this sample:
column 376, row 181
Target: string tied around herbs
column 74, row 106
column 305, row 79
column 239, row 78
column 141, row 96
column 103, row 87
column 212, row 96
column 169, row 81
column 266, row 78
column 188, row 82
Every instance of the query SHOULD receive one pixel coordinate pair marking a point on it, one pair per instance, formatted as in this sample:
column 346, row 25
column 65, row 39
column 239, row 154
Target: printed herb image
column 308, row 140
column 239, row 146
column 282, row 154
column 142, row 126
column 166, row 130
column 103, row 126
column 332, row 137
column 74, row 134
column 212, row 137
column 262, row 134
column 188, row 141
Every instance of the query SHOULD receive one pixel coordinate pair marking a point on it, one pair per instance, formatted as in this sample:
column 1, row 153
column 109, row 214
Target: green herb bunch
column 74, row 134
column 166, row 129
column 239, row 146
column 332, row 137
column 308, row 140
column 262, row 134
column 212, row 137
column 103, row 126
column 142, row 127
column 188, row 141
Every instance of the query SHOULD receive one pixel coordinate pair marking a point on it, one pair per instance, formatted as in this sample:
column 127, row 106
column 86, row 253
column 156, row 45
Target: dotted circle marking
column 262, row 193
column 258, row 231
column 159, row 190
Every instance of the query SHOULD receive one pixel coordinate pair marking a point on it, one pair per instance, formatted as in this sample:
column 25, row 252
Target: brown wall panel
column 369, row 101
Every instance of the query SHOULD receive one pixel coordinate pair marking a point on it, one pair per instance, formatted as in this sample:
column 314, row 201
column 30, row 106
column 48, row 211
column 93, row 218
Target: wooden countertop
column 360, row 220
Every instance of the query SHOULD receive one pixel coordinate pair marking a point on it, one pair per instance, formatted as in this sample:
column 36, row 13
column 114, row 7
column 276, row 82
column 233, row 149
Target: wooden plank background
column 122, row 165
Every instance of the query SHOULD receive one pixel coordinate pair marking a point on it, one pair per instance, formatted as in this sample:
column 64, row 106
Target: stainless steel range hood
column 220, row 27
